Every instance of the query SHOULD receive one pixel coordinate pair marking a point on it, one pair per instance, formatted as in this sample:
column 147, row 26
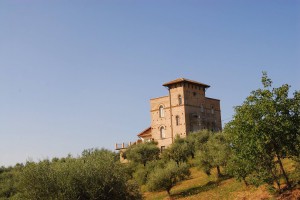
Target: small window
column 162, row 132
column 212, row 110
column 162, row 148
column 179, row 99
column 161, row 111
column 202, row 108
column 177, row 120
column 214, row 126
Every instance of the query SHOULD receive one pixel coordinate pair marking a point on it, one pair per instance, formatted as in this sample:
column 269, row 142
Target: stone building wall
column 186, row 109
column 190, row 111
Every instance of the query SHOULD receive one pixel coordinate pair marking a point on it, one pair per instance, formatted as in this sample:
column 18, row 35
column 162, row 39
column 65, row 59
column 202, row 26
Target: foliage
column 197, row 140
column 164, row 178
column 142, row 152
column 95, row 175
column 7, row 182
column 265, row 126
column 179, row 151
column 240, row 168
column 141, row 172
column 214, row 152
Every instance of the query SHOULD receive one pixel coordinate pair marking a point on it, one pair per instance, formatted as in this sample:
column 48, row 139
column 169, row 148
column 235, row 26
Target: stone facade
column 183, row 111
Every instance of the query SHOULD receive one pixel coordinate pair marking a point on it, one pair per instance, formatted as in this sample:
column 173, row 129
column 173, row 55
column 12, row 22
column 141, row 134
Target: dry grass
column 203, row 187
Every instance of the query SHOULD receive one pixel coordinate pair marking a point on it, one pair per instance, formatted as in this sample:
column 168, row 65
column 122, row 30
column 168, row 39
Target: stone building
column 183, row 111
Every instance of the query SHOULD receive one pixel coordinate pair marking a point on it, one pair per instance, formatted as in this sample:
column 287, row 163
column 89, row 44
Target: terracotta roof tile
column 145, row 132
column 180, row 80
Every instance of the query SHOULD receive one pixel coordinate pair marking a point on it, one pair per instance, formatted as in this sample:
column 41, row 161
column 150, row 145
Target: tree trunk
column 207, row 172
column 283, row 172
column 246, row 183
column 219, row 171
column 193, row 155
column 276, row 180
column 169, row 194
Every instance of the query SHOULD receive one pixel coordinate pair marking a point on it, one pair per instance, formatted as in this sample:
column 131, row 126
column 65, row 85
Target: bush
column 164, row 178
column 8, row 182
column 142, row 153
column 96, row 175
column 179, row 151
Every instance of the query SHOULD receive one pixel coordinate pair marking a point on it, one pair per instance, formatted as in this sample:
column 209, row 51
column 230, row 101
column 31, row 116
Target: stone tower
column 183, row 111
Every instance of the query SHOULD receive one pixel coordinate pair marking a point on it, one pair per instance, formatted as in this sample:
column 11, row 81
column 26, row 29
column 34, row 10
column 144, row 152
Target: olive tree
column 213, row 153
column 167, row 176
column 94, row 175
column 265, row 129
column 142, row 152
column 196, row 140
column 179, row 151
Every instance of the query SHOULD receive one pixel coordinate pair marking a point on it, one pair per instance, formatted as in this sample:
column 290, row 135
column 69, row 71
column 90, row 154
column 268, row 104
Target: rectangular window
column 177, row 120
column 162, row 148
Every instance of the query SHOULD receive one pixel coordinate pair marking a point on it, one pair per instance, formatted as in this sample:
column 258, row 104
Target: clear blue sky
column 79, row 74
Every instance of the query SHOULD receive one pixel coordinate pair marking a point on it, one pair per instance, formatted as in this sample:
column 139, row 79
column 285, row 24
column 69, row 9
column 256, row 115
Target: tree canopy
column 265, row 129
column 142, row 152
column 179, row 151
column 95, row 175
column 166, row 176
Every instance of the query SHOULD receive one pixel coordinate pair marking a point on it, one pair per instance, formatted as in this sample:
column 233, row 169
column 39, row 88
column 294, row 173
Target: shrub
column 164, row 178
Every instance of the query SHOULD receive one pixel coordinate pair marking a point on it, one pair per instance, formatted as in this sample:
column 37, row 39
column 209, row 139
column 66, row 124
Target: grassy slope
column 200, row 186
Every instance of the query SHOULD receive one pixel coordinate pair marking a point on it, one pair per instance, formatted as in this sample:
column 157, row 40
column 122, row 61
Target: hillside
column 200, row 186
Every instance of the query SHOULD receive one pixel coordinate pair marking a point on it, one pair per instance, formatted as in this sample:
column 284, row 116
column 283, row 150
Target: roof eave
column 185, row 81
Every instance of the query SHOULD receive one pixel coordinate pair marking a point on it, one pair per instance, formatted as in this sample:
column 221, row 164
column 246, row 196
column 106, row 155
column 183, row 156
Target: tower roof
column 180, row 80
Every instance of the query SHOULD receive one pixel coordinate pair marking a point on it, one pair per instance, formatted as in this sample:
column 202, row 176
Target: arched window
column 201, row 108
column 162, row 132
column 179, row 99
column 177, row 120
column 212, row 110
column 161, row 111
